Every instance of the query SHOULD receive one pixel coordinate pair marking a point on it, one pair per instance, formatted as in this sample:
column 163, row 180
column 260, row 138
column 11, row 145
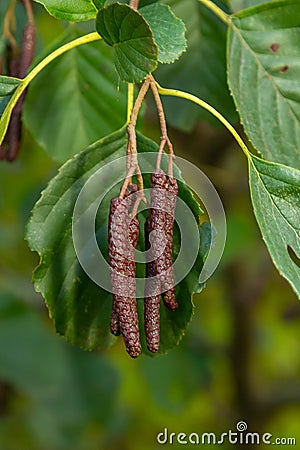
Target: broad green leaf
column 71, row 10
column 237, row 5
column 168, row 31
column 99, row 3
column 80, row 309
column 128, row 32
column 201, row 70
column 264, row 77
column 8, row 86
column 143, row 3
column 275, row 192
column 84, row 100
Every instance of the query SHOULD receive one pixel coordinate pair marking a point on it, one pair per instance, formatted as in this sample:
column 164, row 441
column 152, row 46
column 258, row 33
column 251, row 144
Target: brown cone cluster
column 123, row 236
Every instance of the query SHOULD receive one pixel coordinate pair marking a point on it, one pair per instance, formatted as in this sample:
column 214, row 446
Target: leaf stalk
column 211, row 109
column 216, row 10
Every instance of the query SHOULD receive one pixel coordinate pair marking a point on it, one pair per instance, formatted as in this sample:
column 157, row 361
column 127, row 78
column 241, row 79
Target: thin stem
column 29, row 12
column 35, row 71
column 139, row 198
column 60, row 51
column 216, row 10
column 213, row 111
column 134, row 4
column 132, row 149
column 163, row 126
column 9, row 17
column 130, row 100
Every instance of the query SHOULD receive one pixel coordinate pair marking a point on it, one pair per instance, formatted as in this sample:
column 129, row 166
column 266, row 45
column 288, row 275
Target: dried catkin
column 27, row 49
column 18, row 68
column 114, row 323
column 163, row 203
column 152, row 302
column 123, row 236
column 159, row 267
column 168, row 280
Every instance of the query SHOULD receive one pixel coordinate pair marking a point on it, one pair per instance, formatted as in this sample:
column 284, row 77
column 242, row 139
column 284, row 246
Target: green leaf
column 201, row 70
column 74, row 10
column 275, row 192
column 127, row 31
column 237, row 5
column 8, row 86
column 99, row 3
column 83, row 101
column 81, row 310
column 264, row 77
column 168, row 31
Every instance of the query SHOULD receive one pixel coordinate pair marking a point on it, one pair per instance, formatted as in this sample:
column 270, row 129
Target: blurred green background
column 239, row 360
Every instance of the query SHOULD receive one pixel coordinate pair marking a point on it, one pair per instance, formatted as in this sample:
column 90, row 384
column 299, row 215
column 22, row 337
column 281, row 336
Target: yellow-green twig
column 35, row 71
column 213, row 111
column 215, row 9
column 63, row 49
column 130, row 100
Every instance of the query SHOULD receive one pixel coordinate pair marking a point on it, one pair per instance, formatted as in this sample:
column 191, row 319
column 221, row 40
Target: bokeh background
column 240, row 357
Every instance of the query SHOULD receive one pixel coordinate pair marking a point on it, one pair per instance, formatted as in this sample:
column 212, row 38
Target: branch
column 28, row 7
column 211, row 109
column 132, row 161
column 4, row 121
column 134, row 4
column 163, row 126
